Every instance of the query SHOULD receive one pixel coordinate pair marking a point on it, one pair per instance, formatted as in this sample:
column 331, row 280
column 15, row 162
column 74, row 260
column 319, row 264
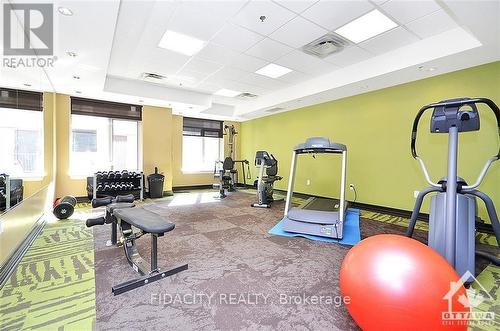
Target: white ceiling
column 117, row 41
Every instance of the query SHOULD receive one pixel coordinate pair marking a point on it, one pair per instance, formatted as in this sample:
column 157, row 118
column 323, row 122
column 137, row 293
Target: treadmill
column 318, row 216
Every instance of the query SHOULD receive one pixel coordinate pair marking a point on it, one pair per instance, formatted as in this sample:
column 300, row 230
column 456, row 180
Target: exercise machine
column 453, row 209
column 306, row 220
column 265, row 182
column 231, row 133
column 134, row 222
column 11, row 191
column 226, row 174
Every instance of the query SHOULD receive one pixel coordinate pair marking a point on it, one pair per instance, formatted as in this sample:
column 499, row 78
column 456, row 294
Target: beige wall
column 49, row 110
column 157, row 142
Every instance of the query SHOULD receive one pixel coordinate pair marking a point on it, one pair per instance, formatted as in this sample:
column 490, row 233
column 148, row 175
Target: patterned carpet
column 54, row 285
column 64, row 281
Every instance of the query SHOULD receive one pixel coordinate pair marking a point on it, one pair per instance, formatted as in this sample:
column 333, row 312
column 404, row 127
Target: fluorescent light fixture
column 273, row 70
column 227, row 93
column 366, row 26
column 181, row 43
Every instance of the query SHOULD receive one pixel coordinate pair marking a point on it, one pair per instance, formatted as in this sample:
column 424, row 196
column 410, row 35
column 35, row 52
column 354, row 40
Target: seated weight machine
column 265, row 182
column 134, row 222
column 227, row 175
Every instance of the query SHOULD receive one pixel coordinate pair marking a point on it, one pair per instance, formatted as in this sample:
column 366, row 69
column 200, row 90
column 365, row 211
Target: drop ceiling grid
column 285, row 53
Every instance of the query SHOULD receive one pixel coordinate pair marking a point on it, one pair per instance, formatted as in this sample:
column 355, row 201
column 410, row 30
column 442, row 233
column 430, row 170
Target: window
column 201, row 144
column 100, row 143
column 21, row 143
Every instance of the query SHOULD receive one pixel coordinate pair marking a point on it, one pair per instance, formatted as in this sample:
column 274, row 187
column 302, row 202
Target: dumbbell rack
column 6, row 194
column 96, row 181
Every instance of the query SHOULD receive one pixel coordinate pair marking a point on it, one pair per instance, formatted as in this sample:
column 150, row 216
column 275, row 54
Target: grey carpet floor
column 239, row 277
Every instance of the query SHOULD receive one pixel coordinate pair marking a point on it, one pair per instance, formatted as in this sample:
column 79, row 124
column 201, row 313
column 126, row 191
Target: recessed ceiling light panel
column 366, row 26
column 227, row 93
column 273, row 70
column 181, row 43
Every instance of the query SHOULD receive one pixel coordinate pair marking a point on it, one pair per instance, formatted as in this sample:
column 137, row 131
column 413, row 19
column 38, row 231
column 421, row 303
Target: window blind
column 81, row 106
column 20, row 99
column 202, row 127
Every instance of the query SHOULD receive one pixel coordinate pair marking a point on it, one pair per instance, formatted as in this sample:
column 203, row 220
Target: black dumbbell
column 106, row 187
column 124, row 174
column 118, row 175
column 99, row 188
column 64, row 208
column 111, row 175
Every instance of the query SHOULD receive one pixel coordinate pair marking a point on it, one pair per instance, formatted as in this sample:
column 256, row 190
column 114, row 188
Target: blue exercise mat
column 352, row 234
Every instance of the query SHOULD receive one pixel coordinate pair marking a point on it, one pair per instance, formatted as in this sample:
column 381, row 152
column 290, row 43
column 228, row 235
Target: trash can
column 155, row 182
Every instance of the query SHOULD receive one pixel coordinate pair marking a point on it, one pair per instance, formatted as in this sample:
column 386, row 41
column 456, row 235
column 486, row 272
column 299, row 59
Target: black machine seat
column 119, row 205
column 144, row 220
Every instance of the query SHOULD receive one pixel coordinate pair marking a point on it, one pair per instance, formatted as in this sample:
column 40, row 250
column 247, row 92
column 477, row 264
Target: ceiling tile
column 305, row 63
column 276, row 16
column 237, row 38
column 379, row 2
column 388, row 41
column 191, row 75
column 297, row 6
column 216, row 53
column 208, row 87
column 432, row 24
column 295, row 77
column 407, row 11
column 229, row 73
column 333, row 14
column 348, row 56
column 191, row 17
column 298, row 32
column 247, row 63
column 269, row 50
column 202, row 66
column 263, row 82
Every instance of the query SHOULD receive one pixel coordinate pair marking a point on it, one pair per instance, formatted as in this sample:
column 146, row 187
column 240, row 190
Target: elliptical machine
column 452, row 216
column 265, row 183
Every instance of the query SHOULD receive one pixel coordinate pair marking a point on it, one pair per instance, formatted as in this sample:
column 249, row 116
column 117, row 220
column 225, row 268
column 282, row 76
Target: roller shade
column 80, row 106
column 202, row 128
column 19, row 99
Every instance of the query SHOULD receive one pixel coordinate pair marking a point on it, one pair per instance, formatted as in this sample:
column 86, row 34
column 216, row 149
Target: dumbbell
column 118, row 175
column 64, row 208
column 124, row 174
column 99, row 188
column 111, row 175
column 106, row 187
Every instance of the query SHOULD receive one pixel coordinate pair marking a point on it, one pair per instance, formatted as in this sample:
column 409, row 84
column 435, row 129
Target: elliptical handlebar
column 447, row 104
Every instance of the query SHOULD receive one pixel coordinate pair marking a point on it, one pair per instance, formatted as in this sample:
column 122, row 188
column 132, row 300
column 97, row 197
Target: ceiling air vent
column 325, row 45
column 151, row 76
column 275, row 109
column 247, row 95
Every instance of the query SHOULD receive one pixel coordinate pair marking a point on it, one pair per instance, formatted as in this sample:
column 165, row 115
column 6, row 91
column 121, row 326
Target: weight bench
column 125, row 217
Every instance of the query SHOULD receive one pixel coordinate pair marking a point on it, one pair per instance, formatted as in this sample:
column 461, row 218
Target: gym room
column 250, row 165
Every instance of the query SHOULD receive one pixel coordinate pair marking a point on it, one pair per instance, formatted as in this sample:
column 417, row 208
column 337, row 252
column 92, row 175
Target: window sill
column 201, row 172
column 37, row 178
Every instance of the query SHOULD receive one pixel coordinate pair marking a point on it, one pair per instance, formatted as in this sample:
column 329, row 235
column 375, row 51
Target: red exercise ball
column 398, row 283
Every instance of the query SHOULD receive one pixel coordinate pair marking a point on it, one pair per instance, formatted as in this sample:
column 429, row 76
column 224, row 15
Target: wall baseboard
column 190, row 188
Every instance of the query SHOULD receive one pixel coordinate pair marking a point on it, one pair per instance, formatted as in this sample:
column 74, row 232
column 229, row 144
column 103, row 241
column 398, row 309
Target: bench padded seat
column 118, row 205
column 144, row 220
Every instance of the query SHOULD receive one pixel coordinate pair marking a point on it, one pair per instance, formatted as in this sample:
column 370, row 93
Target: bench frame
column 148, row 271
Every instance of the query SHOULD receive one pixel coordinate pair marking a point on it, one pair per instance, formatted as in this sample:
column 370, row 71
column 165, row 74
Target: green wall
column 376, row 128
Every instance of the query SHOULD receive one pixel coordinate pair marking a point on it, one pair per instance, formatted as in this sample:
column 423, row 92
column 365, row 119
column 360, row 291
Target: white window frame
column 35, row 176
column 111, row 146
column 200, row 171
